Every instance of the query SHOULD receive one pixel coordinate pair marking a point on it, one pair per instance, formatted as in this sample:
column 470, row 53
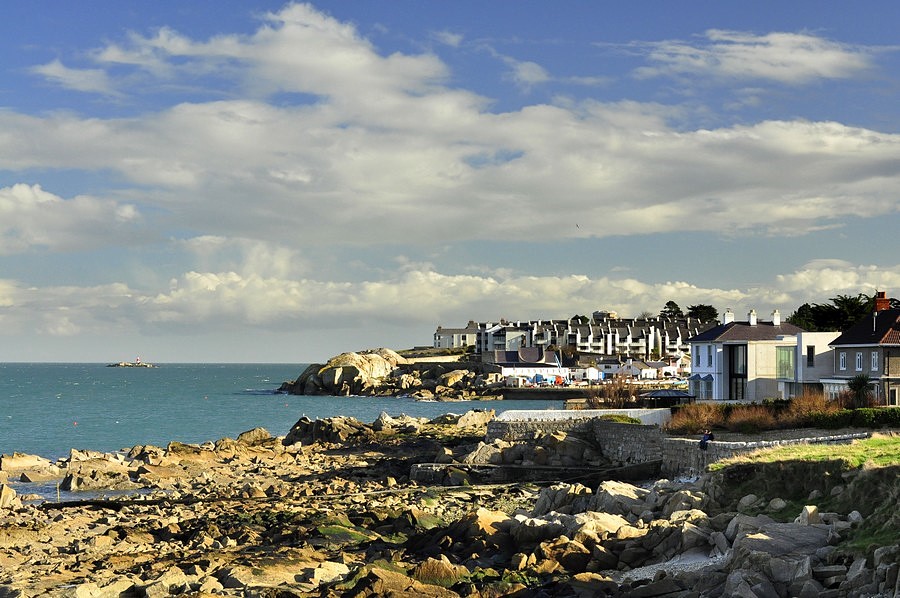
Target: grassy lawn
column 881, row 450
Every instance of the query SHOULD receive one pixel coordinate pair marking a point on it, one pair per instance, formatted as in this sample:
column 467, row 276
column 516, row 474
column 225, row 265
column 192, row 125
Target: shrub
column 613, row 394
column 696, row 417
column 869, row 417
column 801, row 410
column 749, row 419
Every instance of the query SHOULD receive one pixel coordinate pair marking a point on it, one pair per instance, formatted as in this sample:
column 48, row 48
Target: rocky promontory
column 331, row 509
column 384, row 372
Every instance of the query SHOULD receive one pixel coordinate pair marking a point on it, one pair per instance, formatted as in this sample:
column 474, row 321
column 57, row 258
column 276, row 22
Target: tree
column 702, row 312
column 671, row 311
column 576, row 319
column 645, row 315
column 860, row 391
column 843, row 312
column 804, row 317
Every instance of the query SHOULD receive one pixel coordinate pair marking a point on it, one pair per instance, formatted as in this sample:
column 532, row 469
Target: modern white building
column 739, row 360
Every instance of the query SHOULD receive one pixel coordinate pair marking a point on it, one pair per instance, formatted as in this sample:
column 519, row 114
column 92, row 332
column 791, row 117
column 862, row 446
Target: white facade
column 811, row 364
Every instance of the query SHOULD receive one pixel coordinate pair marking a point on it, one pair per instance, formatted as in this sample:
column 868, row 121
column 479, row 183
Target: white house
column 738, row 360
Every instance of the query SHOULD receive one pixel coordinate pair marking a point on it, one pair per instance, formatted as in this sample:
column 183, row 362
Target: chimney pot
column 728, row 316
column 881, row 301
column 776, row 318
column 751, row 317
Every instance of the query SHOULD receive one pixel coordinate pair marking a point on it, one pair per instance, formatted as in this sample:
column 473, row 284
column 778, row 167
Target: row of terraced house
column 747, row 360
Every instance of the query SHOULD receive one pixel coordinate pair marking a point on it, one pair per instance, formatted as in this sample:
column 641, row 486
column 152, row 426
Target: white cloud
column 326, row 147
column 86, row 80
column 31, row 218
column 788, row 58
column 527, row 74
column 389, row 153
column 449, row 38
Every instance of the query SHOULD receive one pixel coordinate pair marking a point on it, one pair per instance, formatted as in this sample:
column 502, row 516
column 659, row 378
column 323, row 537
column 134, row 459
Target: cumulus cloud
column 788, row 58
column 405, row 298
column 388, row 146
column 321, row 144
column 32, row 218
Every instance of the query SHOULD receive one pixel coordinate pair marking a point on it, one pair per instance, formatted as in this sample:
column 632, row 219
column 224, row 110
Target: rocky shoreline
column 331, row 509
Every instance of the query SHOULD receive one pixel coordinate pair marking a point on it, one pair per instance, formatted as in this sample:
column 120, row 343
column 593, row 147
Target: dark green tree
column 704, row 313
column 860, row 391
column 576, row 319
column 671, row 311
column 843, row 312
column 804, row 317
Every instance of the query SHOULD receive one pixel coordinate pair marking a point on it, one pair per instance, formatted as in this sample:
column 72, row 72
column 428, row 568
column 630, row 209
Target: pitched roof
column 883, row 329
column 743, row 331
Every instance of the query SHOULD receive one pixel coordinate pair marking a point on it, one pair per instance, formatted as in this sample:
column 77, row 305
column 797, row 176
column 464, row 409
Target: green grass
column 877, row 451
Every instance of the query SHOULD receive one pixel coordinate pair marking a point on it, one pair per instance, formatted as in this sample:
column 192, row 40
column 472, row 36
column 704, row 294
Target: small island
column 137, row 363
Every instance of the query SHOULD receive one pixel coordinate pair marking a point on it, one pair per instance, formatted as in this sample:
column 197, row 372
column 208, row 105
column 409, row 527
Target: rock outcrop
column 384, row 372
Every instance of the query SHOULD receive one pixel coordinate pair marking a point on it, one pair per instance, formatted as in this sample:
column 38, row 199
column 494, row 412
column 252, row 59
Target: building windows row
column 842, row 361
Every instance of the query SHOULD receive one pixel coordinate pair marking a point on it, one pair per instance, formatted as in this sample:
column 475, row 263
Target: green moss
column 620, row 418
column 339, row 534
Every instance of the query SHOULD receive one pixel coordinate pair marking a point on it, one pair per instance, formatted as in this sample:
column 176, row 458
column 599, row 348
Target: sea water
column 47, row 409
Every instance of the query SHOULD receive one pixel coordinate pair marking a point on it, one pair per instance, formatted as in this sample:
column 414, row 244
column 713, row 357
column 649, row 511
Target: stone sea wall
column 682, row 456
column 629, row 444
column 623, row 444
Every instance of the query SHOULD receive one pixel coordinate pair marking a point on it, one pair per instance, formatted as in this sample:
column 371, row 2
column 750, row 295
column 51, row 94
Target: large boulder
column 333, row 429
column 8, row 498
column 348, row 373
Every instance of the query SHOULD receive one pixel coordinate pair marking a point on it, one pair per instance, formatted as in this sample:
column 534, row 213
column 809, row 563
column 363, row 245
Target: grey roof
column 883, row 329
column 743, row 331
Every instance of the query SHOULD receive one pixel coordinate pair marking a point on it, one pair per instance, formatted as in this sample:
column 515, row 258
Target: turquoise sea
column 49, row 408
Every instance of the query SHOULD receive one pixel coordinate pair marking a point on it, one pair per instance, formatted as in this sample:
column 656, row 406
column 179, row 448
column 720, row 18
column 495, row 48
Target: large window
column 859, row 361
column 842, row 360
column 709, row 355
column 737, row 368
column 810, row 356
column 874, row 361
column 784, row 363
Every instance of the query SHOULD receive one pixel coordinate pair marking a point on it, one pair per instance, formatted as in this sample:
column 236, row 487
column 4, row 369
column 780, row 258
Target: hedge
column 858, row 418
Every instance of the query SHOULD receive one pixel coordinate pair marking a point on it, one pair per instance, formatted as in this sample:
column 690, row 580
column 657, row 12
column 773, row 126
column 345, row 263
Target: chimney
column 728, row 316
column 881, row 301
column 776, row 318
column 751, row 317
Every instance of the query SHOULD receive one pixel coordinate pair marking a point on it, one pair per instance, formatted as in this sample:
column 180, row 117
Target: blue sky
column 261, row 181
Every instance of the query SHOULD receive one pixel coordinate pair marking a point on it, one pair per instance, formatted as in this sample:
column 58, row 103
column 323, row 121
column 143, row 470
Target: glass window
column 709, row 354
column 784, row 362
column 810, row 356
column 874, row 361
column 859, row 361
column 843, row 360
